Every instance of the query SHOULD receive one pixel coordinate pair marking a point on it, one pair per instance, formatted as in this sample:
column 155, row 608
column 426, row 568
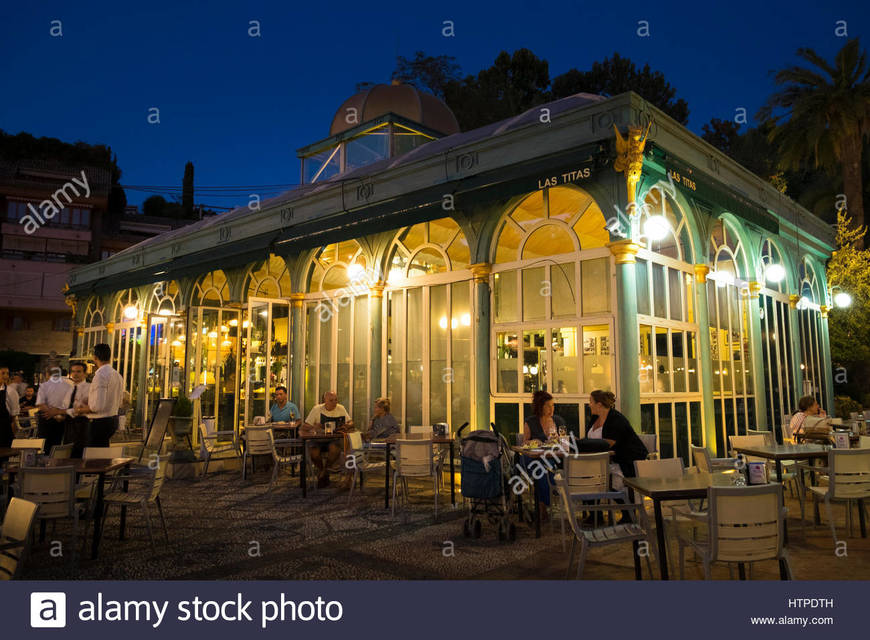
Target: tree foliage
column 617, row 75
column 427, row 73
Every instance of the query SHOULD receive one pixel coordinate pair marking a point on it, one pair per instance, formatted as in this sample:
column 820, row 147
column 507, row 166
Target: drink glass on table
column 329, row 427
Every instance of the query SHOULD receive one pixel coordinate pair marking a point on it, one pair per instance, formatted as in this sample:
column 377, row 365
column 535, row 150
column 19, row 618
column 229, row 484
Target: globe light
column 843, row 300
column 130, row 312
column 656, row 227
column 774, row 273
column 803, row 303
column 355, row 272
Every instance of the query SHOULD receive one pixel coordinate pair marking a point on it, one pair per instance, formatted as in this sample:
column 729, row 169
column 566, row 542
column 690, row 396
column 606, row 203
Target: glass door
column 267, row 361
column 165, row 360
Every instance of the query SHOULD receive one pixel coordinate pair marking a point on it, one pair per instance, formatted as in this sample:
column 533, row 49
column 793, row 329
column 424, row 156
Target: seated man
column 282, row 410
column 328, row 411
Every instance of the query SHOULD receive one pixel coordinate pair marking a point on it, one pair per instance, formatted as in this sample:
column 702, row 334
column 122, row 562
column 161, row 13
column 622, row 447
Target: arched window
column 426, row 248
column 127, row 307
column 125, row 339
column 728, row 305
column 94, row 329
column 164, row 298
column 271, row 280
column 211, row 290
column 675, row 243
column 810, row 322
column 551, row 222
column 776, row 337
column 336, row 266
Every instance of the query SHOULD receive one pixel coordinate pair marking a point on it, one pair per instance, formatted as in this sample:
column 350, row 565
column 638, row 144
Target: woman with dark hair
column 541, row 425
column 612, row 426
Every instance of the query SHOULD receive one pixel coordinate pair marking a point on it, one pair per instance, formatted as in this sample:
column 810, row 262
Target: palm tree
column 824, row 116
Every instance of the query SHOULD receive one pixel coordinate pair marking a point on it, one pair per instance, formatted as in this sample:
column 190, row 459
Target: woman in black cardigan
column 615, row 428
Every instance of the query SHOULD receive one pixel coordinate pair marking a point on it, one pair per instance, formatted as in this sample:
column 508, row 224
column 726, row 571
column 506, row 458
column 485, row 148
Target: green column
column 759, row 383
column 297, row 345
column 827, row 370
column 628, row 342
column 376, row 327
column 705, row 361
column 480, row 347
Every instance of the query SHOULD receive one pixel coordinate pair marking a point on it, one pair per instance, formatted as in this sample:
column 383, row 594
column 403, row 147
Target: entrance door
column 268, row 354
column 213, row 361
column 165, row 363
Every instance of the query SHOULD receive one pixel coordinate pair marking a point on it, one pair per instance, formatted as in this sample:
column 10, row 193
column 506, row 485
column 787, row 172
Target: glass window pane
column 506, row 363
column 666, row 434
column 642, row 280
column 259, row 403
column 505, row 296
column 360, row 408
column 280, row 373
column 692, row 361
column 675, row 285
column 595, row 285
column 563, row 299
column 596, row 358
column 663, row 367
column 343, row 357
column 311, row 322
column 647, row 418
column 324, row 382
column 690, row 298
column 645, row 359
column 570, row 413
column 659, row 300
column 679, row 361
column 535, row 292
column 395, row 351
column 549, row 240
column 681, row 421
column 440, row 323
column 414, row 385
column 461, row 355
column 534, row 360
column 697, row 427
column 565, row 360
column 507, row 419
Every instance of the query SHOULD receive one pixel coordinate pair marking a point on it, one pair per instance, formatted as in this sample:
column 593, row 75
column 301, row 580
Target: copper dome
column 403, row 100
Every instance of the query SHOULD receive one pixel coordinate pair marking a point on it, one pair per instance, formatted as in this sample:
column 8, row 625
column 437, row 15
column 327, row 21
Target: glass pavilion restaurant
column 589, row 243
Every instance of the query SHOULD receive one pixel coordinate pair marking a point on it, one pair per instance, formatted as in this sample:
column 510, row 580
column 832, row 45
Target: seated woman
column 540, row 426
column 807, row 406
column 383, row 424
column 613, row 427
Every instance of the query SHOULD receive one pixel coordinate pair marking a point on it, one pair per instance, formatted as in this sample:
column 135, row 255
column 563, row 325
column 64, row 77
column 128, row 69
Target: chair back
column 17, row 526
column 746, row 523
column 701, row 458
column 37, row 444
column 61, row 451
column 850, row 473
column 52, row 488
column 157, row 428
column 103, row 453
column 758, row 440
column 650, row 442
column 159, row 475
column 567, row 504
column 421, row 432
column 667, row 468
column 259, row 440
column 586, row 473
column 414, row 458
column 354, row 440
column 864, row 442
column 769, row 438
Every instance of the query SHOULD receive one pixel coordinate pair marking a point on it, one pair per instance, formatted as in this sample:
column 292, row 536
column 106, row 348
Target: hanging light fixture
column 656, row 227
column 842, row 300
column 130, row 312
column 774, row 272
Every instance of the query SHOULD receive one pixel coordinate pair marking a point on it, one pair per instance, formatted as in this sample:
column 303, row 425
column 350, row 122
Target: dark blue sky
column 239, row 107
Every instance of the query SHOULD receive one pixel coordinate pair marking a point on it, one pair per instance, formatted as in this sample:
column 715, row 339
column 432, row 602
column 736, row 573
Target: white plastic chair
column 415, row 459
column 591, row 469
column 848, row 474
column 280, row 461
column 215, row 443
column 144, row 491
column 744, row 525
column 258, row 442
column 650, row 441
column 27, row 444
column 15, row 537
column 706, row 464
column 54, row 490
column 358, row 460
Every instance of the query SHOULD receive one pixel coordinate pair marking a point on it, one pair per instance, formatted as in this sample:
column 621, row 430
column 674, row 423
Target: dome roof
column 403, row 100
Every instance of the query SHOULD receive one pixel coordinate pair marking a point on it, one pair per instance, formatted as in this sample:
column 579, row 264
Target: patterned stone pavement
column 222, row 528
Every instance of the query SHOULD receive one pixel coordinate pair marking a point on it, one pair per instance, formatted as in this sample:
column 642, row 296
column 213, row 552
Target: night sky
column 239, row 107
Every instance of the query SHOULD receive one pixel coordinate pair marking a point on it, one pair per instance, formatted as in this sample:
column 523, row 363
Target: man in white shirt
column 329, row 411
column 8, row 408
column 104, row 398
column 77, row 425
column 52, row 400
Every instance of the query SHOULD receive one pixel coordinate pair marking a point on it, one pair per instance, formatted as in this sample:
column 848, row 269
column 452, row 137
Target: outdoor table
column 692, row 486
column 99, row 467
column 312, row 437
column 782, row 452
column 389, row 442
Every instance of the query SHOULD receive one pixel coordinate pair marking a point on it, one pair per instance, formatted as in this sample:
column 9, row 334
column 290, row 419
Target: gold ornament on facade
column 624, row 251
column 824, row 309
column 376, row 289
column 701, row 271
column 754, row 289
column 629, row 160
column 793, row 300
column 110, row 327
column 480, row 271
column 297, row 300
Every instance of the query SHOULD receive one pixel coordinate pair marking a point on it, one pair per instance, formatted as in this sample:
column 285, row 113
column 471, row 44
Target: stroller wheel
column 466, row 529
column 477, row 528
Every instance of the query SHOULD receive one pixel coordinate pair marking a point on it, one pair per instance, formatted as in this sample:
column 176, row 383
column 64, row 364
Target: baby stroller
column 485, row 464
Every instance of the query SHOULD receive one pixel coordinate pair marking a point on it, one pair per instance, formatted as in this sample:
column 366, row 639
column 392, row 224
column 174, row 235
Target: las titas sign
column 564, row 178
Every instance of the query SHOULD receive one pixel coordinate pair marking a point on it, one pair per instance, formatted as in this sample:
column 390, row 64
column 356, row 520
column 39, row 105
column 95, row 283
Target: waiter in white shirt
column 104, row 398
column 52, row 400
column 8, row 408
column 77, row 425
